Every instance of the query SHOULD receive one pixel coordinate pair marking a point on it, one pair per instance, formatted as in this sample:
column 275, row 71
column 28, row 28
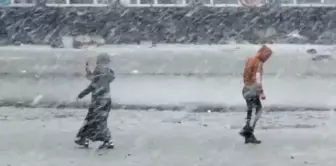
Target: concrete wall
column 47, row 25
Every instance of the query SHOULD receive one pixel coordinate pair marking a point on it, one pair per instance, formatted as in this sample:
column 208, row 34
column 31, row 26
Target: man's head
column 264, row 53
column 103, row 59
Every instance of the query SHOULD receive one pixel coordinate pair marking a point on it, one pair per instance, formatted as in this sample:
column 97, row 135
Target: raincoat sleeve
column 111, row 75
column 86, row 91
column 91, row 87
column 89, row 74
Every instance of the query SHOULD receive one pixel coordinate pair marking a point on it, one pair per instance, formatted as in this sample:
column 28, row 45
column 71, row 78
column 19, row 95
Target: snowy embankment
column 196, row 77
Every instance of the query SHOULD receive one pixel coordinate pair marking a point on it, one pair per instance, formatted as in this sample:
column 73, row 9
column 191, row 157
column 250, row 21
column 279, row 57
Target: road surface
column 39, row 137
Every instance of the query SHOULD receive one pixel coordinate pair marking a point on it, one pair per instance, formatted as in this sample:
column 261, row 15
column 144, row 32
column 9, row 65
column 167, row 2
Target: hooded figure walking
column 253, row 91
column 95, row 126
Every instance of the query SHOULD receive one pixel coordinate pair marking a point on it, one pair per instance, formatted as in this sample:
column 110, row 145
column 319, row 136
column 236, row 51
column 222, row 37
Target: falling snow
column 203, row 25
column 173, row 102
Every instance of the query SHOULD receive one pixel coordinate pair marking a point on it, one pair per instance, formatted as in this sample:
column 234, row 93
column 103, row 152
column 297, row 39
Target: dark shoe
column 82, row 142
column 252, row 139
column 107, row 145
column 247, row 136
column 246, row 131
column 243, row 133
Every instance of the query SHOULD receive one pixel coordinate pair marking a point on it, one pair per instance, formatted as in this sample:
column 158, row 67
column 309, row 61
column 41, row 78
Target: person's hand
column 262, row 96
column 87, row 67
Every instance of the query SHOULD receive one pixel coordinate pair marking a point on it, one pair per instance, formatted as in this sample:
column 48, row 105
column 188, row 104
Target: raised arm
column 94, row 77
column 111, row 75
column 89, row 73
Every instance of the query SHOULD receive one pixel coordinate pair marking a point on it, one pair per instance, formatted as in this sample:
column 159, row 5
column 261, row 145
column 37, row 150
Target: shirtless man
column 253, row 91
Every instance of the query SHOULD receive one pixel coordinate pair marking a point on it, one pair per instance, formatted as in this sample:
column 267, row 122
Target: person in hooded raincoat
column 253, row 91
column 95, row 126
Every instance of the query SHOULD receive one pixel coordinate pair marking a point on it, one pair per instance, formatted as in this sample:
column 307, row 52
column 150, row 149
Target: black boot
column 107, row 145
column 82, row 142
column 252, row 139
column 248, row 135
column 246, row 131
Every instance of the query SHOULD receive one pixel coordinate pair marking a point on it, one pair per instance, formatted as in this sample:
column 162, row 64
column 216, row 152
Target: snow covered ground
column 287, row 60
column 40, row 137
column 169, row 75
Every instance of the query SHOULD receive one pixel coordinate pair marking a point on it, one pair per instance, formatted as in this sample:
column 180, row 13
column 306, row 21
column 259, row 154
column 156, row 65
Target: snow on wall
column 47, row 25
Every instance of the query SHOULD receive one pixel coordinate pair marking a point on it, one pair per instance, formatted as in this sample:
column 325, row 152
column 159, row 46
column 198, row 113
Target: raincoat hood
column 264, row 53
column 103, row 59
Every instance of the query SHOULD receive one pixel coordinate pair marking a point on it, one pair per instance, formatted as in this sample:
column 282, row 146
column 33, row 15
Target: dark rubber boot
column 252, row 139
column 107, row 145
column 82, row 142
column 246, row 131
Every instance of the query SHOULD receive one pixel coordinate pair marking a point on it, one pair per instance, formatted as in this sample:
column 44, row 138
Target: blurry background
column 168, row 55
column 167, row 21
